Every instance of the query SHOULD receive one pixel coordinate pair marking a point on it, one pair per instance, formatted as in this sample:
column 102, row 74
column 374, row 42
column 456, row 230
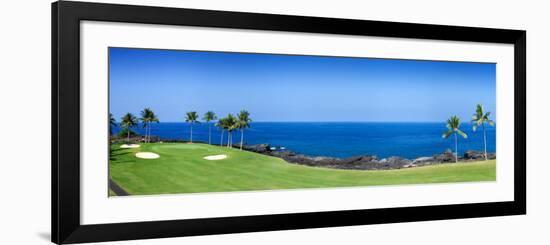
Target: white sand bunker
column 129, row 146
column 147, row 155
column 216, row 157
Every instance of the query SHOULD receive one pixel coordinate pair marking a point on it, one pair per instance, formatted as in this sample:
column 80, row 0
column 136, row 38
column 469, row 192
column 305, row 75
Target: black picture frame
column 66, row 17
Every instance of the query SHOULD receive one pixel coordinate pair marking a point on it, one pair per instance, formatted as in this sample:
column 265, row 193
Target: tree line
column 227, row 124
column 479, row 118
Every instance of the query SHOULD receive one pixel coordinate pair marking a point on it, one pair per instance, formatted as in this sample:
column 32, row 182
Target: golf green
column 181, row 168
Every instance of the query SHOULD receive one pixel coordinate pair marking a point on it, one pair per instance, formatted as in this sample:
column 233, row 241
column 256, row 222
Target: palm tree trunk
column 242, row 135
column 456, row 147
column 128, row 139
column 150, row 129
column 191, row 138
column 221, row 140
column 485, row 141
column 209, row 134
column 146, row 132
column 149, row 134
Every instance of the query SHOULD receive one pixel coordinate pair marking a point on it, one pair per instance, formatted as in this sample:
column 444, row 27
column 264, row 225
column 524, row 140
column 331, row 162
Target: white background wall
column 25, row 121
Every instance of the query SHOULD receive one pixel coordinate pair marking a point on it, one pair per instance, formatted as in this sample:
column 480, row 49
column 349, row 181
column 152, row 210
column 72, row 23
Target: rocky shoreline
column 366, row 162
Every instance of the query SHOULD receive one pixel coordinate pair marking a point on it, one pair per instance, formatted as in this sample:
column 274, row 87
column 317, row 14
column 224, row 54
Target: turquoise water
column 340, row 139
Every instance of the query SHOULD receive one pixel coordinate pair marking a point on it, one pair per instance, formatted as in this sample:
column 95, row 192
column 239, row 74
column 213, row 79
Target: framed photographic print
column 176, row 122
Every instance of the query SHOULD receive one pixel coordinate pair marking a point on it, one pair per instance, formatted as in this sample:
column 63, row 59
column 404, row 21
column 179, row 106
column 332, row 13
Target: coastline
column 367, row 162
column 360, row 162
column 336, row 139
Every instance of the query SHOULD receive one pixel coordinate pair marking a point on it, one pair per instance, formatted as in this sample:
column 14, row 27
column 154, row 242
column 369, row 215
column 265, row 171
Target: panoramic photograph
column 206, row 121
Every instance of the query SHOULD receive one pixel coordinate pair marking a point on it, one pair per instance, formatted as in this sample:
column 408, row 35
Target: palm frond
column 243, row 119
column 191, row 117
column 453, row 123
column 128, row 120
column 447, row 134
column 112, row 120
column 230, row 122
column 479, row 110
column 209, row 116
column 464, row 135
column 481, row 117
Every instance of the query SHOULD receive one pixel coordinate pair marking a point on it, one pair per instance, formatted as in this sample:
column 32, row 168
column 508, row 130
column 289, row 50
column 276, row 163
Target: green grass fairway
column 182, row 169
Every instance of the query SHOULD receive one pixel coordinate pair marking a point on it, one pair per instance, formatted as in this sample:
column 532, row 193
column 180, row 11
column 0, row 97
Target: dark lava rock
column 445, row 157
column 260, row 148
column 423, row 160
column 366, row 162
column 359, row 160
column 283, row 154
column 478, row 155
column 325, row 161
column 393, row 163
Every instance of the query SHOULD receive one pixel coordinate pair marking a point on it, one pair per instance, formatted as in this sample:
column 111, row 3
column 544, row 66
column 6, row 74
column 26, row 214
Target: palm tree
column 148, row 117
column 128, row 121
column 153, row 119
column 209, row 116
column 221, row 124
column 191, row 117
column 453, row 125
column 112, row 123
column 145, row 120
column 479, row 119
column 230, row 124
column 243, row 121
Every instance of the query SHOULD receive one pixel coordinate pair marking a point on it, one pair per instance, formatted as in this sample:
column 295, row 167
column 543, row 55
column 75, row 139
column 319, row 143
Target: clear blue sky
column 296, row 88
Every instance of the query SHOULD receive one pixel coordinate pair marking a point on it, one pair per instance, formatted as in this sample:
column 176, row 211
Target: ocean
column 340, row 139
